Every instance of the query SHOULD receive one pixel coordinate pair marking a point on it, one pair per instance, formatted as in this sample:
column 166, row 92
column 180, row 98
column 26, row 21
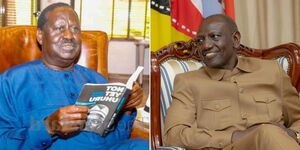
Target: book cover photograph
column 105, row 102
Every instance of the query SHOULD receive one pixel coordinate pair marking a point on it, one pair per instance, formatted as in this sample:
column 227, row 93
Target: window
column 126, row 19
column 16, row 12
column 1, row 13
column 23, row 12
column 10, row 12
column 139, row 26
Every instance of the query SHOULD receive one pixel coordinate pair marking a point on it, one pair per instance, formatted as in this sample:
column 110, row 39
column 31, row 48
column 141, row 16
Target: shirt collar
column 243, row 65
column 215, row 74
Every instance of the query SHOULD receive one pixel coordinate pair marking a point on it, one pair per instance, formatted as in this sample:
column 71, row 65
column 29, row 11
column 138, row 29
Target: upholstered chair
column 18, row 44
column 179, row 57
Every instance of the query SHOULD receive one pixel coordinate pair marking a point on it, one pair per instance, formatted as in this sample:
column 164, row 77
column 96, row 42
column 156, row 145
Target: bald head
column 217, row 40
column 220, row 17
column 43, row 16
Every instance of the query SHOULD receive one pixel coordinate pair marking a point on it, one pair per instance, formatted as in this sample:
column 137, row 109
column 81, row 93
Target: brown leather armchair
column 179, row 57
column 18, row 45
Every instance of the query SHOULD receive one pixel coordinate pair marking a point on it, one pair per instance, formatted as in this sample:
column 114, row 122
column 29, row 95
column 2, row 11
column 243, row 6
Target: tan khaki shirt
column 209, row 104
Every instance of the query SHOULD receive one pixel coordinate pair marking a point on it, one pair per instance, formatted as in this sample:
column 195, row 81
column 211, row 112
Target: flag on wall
column 180, row 20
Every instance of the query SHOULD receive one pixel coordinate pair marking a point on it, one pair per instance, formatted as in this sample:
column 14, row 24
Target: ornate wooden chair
column 179, row 57
column 19, row 45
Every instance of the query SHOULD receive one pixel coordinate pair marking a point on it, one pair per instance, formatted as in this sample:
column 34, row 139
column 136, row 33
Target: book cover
column 105, row 102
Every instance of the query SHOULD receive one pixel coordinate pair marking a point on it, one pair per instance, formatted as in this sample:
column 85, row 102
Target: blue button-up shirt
column 30, row 92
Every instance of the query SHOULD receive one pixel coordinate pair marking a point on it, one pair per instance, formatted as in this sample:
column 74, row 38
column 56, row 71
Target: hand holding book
column 105, row 102
column 66, row 120
column 134, row 99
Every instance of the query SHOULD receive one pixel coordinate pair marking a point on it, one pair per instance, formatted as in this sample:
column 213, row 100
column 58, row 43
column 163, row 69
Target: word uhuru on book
column 105, row 102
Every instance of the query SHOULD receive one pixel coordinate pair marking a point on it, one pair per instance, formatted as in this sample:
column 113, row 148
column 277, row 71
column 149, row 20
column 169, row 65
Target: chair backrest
column 179, row 57
column 19, row 45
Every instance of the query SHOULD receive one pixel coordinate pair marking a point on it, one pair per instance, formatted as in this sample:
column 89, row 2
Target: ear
column 39, row 36
column 236, row 39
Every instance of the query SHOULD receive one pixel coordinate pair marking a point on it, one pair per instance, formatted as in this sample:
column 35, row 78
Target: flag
column 162, row 33
column 187, row 14
column 182, row 19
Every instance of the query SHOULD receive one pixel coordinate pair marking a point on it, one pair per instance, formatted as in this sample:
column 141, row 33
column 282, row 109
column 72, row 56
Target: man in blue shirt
column 37, row 98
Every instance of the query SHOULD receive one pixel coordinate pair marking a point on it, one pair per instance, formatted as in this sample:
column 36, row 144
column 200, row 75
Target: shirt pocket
column 216, row 114
column 268, row 105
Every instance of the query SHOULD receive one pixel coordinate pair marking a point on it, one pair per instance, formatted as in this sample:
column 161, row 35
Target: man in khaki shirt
column 232, row 103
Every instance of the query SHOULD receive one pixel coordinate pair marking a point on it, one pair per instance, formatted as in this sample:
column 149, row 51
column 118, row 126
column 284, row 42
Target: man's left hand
column 290, row 132
column 135, row 97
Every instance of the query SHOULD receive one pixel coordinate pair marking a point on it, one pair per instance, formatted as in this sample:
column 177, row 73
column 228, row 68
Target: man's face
column 94, row 120
column 215, row 44
column 96, row 117
column 60, row 37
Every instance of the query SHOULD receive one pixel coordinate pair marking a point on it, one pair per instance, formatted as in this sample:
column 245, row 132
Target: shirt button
column 244, row 116
column 241, row 90
column 233, row 80
column 72, row 94
column 221, row 144
column 44, row 143
column 66, row 76
column 217, row 106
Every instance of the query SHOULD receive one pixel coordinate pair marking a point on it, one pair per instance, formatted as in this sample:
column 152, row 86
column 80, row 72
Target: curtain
column 267, row 23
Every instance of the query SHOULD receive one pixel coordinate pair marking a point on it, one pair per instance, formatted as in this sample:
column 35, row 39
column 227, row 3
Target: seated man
column 37, row 98
column 233, row 102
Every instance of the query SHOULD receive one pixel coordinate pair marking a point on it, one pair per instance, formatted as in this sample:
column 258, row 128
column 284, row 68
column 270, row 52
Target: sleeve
column 13, row 134
column 122, row 129
column 180, row 124
column 291, row 102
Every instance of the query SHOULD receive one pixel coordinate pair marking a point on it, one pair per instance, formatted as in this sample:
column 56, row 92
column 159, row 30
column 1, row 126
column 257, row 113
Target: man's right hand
column 66, row 120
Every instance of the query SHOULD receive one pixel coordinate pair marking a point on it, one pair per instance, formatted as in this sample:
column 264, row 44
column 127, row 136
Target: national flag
column 182, row 19
column 187, row 14
column 162, row 32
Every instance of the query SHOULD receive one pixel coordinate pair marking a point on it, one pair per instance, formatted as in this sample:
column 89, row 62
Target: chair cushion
column 284, row 63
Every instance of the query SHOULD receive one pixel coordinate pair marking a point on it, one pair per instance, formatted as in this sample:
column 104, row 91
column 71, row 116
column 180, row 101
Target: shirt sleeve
column 291, row 102
column 13, row 134
column 180, row 124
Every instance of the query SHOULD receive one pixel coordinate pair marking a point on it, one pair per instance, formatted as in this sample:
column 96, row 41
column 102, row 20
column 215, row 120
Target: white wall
column 122, row 57
column 121, row 54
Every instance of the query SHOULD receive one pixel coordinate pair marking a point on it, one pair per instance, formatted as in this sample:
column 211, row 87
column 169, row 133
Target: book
column 105, row 102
